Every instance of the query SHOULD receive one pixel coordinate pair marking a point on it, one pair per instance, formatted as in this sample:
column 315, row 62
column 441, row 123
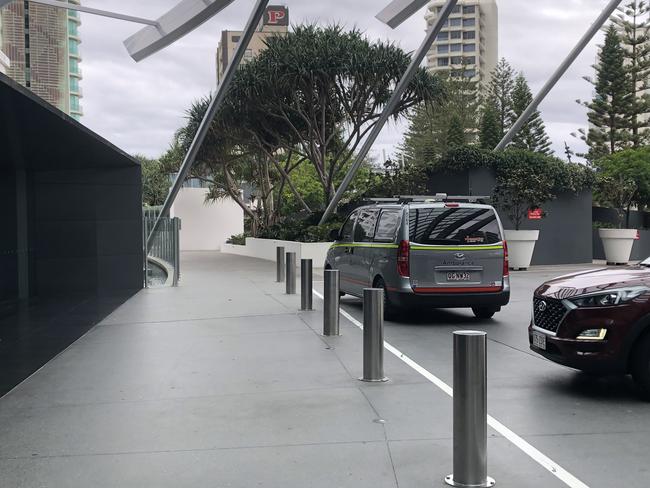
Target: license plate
column 459, row 276
column 539, row 340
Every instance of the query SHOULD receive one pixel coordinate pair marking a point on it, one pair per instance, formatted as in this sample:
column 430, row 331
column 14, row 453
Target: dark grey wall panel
column 8, row 244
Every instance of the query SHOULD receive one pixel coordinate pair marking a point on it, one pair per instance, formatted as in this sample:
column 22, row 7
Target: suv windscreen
column 454, row 226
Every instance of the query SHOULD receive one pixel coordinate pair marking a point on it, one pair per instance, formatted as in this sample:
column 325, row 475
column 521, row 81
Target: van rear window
column 454, row 226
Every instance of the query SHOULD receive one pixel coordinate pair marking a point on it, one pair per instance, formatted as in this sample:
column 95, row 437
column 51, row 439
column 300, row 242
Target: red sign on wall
column 535, row 213
column 276, row 16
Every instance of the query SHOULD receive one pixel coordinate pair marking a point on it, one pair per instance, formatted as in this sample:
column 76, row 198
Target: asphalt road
column 596, row 428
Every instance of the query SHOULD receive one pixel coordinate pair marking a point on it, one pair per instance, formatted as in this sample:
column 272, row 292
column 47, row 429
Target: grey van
column 439, row 252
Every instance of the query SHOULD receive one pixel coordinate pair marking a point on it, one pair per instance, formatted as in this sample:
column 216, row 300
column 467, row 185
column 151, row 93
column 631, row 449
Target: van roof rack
column 443, row 197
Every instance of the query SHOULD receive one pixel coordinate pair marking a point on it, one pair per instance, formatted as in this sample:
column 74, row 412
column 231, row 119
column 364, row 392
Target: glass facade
column 74, row 58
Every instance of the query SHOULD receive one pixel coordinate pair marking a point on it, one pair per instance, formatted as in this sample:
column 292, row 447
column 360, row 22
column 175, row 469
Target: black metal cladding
column 550, row 316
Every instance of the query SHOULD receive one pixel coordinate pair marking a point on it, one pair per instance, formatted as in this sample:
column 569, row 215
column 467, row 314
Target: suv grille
column 548, row 313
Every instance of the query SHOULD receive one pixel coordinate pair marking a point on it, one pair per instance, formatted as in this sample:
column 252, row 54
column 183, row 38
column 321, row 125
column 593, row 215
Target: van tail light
column 506, row 264
column 403, row 255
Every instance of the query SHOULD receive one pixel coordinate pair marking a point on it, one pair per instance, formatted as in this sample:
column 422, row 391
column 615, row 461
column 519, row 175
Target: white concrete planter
column 617, row 244
column 521, row 244
column 266, row 249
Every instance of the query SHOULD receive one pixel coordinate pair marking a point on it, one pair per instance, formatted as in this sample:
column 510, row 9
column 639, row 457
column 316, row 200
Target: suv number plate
column 462, row 276
column 539, row 340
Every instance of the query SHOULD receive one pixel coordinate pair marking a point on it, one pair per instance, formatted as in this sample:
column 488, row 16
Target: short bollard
column 279, row 251
column 306, row 284
column 470, row 411
column 291, row 273
column 332, row 303
column 373, row 335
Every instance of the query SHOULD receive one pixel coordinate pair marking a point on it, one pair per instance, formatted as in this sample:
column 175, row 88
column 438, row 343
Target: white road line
column 540, row 458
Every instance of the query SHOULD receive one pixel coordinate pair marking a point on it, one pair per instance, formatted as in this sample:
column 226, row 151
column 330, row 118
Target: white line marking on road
column 539, row 457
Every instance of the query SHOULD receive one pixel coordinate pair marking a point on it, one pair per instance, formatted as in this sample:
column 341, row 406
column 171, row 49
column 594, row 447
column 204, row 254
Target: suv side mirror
column 335, row 235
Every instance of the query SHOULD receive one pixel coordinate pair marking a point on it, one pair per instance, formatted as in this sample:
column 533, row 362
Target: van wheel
column 390, row 310
column 641, row 366
column 484, row 312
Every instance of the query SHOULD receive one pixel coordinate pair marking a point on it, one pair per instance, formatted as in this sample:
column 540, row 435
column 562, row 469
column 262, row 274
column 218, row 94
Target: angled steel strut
column 396, row 12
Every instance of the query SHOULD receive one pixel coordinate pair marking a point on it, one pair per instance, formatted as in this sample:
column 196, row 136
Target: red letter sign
column 276, row 17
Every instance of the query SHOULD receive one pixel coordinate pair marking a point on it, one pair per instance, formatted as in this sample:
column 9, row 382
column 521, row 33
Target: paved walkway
column 221, row 382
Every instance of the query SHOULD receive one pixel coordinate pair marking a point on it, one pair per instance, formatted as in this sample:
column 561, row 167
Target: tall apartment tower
column 468, row 43
column 42, row 44
column 275, row 22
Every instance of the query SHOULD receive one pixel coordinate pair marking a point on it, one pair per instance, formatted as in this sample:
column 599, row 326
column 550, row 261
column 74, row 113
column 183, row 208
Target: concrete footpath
column 223, row 383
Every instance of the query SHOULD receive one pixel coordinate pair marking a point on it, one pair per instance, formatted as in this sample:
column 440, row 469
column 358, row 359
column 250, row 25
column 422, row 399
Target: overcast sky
column 138, row 106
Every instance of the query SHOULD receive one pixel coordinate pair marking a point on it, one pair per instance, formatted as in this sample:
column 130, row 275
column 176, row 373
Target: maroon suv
column 596, row 321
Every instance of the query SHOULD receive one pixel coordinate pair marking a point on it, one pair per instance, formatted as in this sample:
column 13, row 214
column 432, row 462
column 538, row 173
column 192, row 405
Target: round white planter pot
column 521, row 244
column 617, row 244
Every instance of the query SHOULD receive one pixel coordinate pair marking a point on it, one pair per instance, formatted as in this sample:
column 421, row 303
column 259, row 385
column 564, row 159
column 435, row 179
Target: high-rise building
column 275, row 22
column 4, row 63
column 468, row 42
column 42, row 44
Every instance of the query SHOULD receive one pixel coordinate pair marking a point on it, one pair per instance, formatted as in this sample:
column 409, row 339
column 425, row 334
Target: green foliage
column 524, row 179
column 624, row 180
column 396, row 179
column 609, row 110
column 455, row 133
column 633, row 24
column 490, row 132
column 532, row 135
column 238, row 239
column 155, row 181
column 499, row 95
column 302, row 230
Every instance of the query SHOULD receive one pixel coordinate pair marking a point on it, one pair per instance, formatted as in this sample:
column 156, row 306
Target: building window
column 443, row 61
column 443, row 36
column 456, row 34
column 74, row 66
column 456, row 60
column 72, row 28
column 469, row 22
column 73, row 47
column 235, row 39
column 470, row 60
column 455, row 22
column 469, row 35
column 248, row 54
column 455, row 47
column 74, row 103
column 470, row 73
column 469, row 9
column 443, row 49
column 469, row 48
column 74, row 84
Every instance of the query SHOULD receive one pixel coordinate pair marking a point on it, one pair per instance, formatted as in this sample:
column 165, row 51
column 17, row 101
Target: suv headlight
column 609, row 298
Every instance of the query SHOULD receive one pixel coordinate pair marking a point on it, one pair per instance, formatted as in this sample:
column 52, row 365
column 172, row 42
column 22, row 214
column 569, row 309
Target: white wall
column 206, row 226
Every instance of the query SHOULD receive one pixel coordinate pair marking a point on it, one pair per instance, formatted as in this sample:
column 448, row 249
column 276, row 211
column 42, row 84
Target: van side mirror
column 335, row 235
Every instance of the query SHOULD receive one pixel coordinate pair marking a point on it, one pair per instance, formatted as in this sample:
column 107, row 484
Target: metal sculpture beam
column 213, row 109
column 177, row 22
column 398, row 11
column 397, row 7
column 575, row 52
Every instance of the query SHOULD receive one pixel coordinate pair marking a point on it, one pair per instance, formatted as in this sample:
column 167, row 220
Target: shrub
column 238, row 239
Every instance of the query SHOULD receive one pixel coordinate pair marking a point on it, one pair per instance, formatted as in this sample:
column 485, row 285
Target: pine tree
column 490, row 133
column 421, row 144
column 532, row 135
column 455, row 132
column 609, row 109
column 633, row 26
column 499, row 92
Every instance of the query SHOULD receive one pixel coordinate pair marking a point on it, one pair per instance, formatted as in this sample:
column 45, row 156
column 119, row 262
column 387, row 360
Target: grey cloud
column 138, row 106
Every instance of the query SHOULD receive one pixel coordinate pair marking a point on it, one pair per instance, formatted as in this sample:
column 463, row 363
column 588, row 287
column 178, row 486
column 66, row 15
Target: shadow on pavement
column 586, row 386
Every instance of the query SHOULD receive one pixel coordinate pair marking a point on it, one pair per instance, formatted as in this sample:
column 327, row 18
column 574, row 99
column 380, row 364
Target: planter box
column 266, row 249
column 521, row 244
column 617, row 244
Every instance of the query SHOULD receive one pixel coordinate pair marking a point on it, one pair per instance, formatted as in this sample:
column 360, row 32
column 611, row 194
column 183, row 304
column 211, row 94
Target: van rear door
column 455, row 248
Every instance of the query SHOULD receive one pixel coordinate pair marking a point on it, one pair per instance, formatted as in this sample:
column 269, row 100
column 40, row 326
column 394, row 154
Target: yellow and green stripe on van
column 416, row 247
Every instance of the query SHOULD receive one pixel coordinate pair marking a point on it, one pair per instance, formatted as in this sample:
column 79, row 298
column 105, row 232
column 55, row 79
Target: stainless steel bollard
column 373, row 335
column 306, row 284
column 470, row 411
column 332, row 303
column 291, row 273
column 279, row 251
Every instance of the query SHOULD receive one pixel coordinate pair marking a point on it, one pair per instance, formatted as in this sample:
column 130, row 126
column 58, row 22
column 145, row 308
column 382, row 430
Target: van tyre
column 641, row 366
column 484, row 312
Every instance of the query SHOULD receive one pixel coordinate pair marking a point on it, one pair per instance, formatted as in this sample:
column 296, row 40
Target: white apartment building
column 468, row 43
column 4, row 63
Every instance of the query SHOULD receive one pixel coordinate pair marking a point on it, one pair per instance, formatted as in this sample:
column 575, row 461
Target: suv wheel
column 390, row 310
column 641, row 365
column 484, row 312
